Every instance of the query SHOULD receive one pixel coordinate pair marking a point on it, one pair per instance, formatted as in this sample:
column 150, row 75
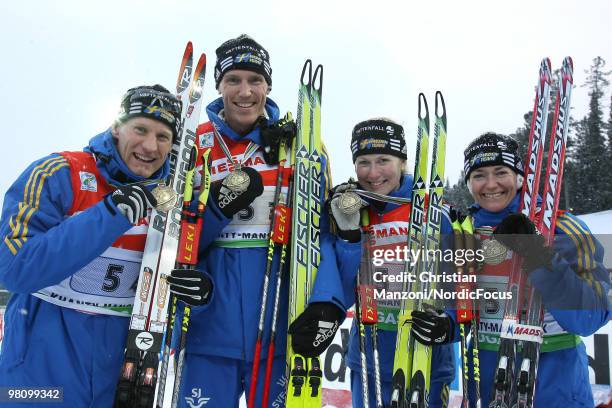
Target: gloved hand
column 347, row 225
column 314, row 330
column 518, row 233
column 230, row 202
column 431, row 327
column 273, row 133
column 133, row 201
column 191, row 286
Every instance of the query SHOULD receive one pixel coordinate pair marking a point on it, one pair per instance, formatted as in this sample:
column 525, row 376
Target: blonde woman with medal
column 379, row 155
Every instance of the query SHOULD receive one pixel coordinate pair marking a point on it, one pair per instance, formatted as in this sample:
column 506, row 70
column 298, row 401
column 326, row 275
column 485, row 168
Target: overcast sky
column 65, row 64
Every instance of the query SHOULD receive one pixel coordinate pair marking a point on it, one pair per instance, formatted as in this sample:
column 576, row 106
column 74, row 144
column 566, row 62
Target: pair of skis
column 150, row 323
column 305, row 375
column 412, row 361
column 508, row 390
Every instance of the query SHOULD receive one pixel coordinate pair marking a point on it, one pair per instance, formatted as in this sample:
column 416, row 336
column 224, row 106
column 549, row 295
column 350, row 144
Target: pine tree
column 591, row 187
column 458, row 195
column 609, row 159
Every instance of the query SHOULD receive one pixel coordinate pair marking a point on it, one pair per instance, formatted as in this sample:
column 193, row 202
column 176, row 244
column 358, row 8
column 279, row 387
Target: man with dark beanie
column 242, row 134
column 74, row 226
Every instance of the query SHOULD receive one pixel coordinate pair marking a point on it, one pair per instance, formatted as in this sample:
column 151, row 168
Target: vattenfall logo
column 371, row 127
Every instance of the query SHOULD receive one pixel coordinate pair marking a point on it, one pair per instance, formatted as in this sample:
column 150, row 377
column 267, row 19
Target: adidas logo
column 326, row 330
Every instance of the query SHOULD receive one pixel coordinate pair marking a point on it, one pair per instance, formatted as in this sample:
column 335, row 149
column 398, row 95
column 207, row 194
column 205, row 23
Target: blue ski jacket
column 574, row 292
column 227, row 327
column 46, row 344
column 443, row 360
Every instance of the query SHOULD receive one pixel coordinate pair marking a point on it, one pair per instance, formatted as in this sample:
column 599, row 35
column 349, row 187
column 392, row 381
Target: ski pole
column 187, row 257
column 284, row 213
column 264, row 297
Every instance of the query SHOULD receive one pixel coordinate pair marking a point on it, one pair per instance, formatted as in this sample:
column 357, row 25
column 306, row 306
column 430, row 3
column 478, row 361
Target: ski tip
column 545, row 70
column 307, row 69
column 568, row 68
column 201, row 63
column 440, row 109
column 184, row 76
column 188, row 49
column 317, row 78
column 200, row 70
column 423, row 109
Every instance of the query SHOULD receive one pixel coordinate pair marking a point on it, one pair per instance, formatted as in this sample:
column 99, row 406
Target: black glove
column 133, row 201
column 230, row 202
column 347, row 225
column 314, row 330
column 432, row 327
column 518, row 233
column 273, row 133
column 191, row 286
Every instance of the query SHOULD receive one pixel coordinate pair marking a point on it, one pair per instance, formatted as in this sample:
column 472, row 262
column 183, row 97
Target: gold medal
column 494, row 252
column 237, row 181
column 166, row 197
column 349, row 202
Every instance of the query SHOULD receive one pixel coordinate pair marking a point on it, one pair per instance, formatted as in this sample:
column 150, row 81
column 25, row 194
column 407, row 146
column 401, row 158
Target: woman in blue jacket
column 379, row 155
column 570, row 278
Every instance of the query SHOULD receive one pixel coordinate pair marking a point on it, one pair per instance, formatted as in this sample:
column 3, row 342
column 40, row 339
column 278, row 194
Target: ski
column 305, row 375
column 504, row 381
column 367, row 314
column 545, row 222
column 187, row 258
column 467, row 312
column 282, row 232
column 277, row 238
column 421, row 364
column 139, row 371
column 404, row 346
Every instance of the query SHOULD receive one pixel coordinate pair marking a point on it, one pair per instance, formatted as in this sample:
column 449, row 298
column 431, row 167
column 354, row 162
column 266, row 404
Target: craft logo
column 88, row 181
column 502, row 145
column 248, row 57
column 372, row 143
column 159, row 112
column 390, row 130
column 485, row 157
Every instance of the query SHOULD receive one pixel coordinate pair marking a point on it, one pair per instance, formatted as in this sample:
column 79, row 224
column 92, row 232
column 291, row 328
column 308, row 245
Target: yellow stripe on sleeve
column 584, row 260
column 31, row 201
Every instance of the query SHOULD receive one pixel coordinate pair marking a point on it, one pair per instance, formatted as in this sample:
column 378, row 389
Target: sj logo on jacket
column 196, row 400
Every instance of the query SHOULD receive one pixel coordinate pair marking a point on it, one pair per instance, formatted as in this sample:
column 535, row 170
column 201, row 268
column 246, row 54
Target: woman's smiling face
column 493, row 187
